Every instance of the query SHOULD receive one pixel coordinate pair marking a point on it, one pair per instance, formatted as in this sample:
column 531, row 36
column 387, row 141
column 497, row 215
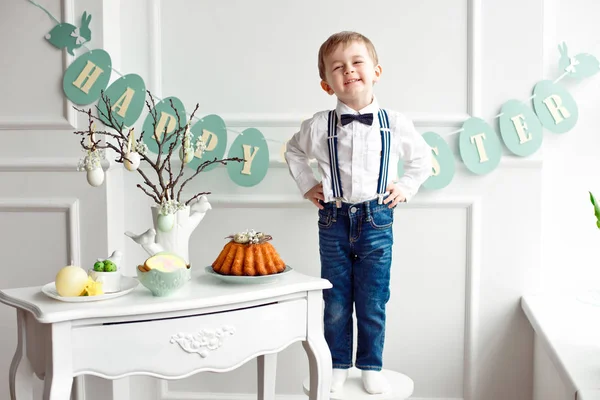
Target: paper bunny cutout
column 65, row 35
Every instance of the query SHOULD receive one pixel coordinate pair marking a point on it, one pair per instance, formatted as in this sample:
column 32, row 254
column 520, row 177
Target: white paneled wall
column 463, row 255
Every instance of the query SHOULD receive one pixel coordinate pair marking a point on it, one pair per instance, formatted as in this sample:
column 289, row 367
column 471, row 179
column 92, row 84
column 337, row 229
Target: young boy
column 357, row 148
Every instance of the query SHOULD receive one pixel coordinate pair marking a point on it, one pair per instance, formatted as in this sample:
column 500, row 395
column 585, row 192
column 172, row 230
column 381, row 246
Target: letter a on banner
column 479, row 146
column 127, row 97
column 87, row 76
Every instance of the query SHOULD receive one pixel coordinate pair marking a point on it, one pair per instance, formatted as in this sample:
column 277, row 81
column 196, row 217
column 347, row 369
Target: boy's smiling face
column 350, row 74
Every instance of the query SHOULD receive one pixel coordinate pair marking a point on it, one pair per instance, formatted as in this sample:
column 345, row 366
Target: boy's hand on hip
column 395, row 195
column 315, row 194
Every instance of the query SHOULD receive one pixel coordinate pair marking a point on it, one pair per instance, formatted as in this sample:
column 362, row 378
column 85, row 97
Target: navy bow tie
column 366, row 119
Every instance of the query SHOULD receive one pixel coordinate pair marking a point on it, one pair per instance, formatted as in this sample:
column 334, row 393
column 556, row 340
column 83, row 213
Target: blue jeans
column 355, row 244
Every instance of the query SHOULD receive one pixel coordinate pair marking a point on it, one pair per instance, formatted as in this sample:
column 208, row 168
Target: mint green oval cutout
column 488, row 157
column 555, row 107
column 126, row 96
column 443, row 162
column 87, row 76
column 165, row 117
column 520, row 128
column 213, row 131
column 244, row 173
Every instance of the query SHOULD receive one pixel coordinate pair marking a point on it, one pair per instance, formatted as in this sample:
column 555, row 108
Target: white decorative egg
column 95, row 176
column 165, row 222
column 189, row 156
column 132, row 161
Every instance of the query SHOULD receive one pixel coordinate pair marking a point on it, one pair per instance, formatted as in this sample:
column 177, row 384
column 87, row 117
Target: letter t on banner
column 479, row 146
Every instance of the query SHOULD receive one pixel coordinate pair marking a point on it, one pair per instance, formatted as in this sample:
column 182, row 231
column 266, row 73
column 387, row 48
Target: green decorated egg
column 165, row 222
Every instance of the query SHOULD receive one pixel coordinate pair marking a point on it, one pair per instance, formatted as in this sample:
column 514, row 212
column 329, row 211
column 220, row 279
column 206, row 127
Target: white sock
column 338, row 378
column 375, row 382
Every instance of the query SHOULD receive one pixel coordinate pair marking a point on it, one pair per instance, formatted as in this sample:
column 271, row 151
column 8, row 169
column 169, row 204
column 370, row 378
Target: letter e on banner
column 520, row 128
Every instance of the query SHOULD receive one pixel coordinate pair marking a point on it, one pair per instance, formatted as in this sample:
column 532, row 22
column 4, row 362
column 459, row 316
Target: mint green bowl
column 163, row 283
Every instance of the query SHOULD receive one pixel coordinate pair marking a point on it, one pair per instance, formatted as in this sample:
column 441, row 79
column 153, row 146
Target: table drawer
column 181, row 346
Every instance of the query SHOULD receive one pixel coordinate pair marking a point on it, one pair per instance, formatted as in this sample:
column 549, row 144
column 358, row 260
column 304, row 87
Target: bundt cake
column 248, row 254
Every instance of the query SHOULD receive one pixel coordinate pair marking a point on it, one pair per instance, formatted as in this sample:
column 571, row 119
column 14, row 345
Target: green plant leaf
column 596, row 209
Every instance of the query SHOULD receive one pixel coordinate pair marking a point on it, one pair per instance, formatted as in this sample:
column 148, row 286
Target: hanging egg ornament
column 132, row 161
column 95, row 176
column 189, row 154
column 185, row 147
column 165, row 222
column 132, row 158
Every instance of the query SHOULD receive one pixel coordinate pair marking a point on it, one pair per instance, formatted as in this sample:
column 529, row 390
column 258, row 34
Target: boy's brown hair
column 343, row 38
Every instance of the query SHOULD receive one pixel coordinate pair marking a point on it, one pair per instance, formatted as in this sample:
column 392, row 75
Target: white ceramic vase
column 175, row 240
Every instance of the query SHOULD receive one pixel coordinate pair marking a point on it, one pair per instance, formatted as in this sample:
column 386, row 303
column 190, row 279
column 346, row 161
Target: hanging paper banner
column 166, row 118
column 479, row 146
column 442, row 164
column 213, row 132
column 127, row 96
column 87, row 76
column 520, row 128
column 252, row 147
column 65, row 35
column 555, row 107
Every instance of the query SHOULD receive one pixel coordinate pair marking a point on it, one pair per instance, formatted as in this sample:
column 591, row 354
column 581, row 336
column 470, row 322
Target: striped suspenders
column 384, row 161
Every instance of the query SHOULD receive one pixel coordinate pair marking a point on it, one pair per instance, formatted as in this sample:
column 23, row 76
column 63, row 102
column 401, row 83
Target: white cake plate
column 402, row 387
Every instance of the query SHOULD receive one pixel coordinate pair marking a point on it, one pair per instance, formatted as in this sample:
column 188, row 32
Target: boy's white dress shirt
column 359, row 148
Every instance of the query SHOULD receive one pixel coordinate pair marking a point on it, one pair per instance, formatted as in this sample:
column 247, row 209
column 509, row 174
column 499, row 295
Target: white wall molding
column 474, row 37
column 423, row 119
column 65, row 164
column 69, row 206
column 472, row 205
column 69, row 116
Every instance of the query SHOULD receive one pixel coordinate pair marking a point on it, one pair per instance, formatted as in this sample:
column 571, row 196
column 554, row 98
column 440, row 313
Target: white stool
column 401, row 387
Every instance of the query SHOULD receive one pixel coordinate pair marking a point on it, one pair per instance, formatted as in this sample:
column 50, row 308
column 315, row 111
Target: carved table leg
column 20, row 377
column 319, row 356
column 59, row 363
column 267, row 373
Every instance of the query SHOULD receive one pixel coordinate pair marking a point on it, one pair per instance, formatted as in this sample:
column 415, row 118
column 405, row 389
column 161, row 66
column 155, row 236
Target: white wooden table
column 209, row 325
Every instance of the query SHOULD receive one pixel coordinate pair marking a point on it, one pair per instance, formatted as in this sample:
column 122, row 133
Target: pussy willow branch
column 201, row 168
column 172, row 140
column 121, row 139
column 181, row 167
